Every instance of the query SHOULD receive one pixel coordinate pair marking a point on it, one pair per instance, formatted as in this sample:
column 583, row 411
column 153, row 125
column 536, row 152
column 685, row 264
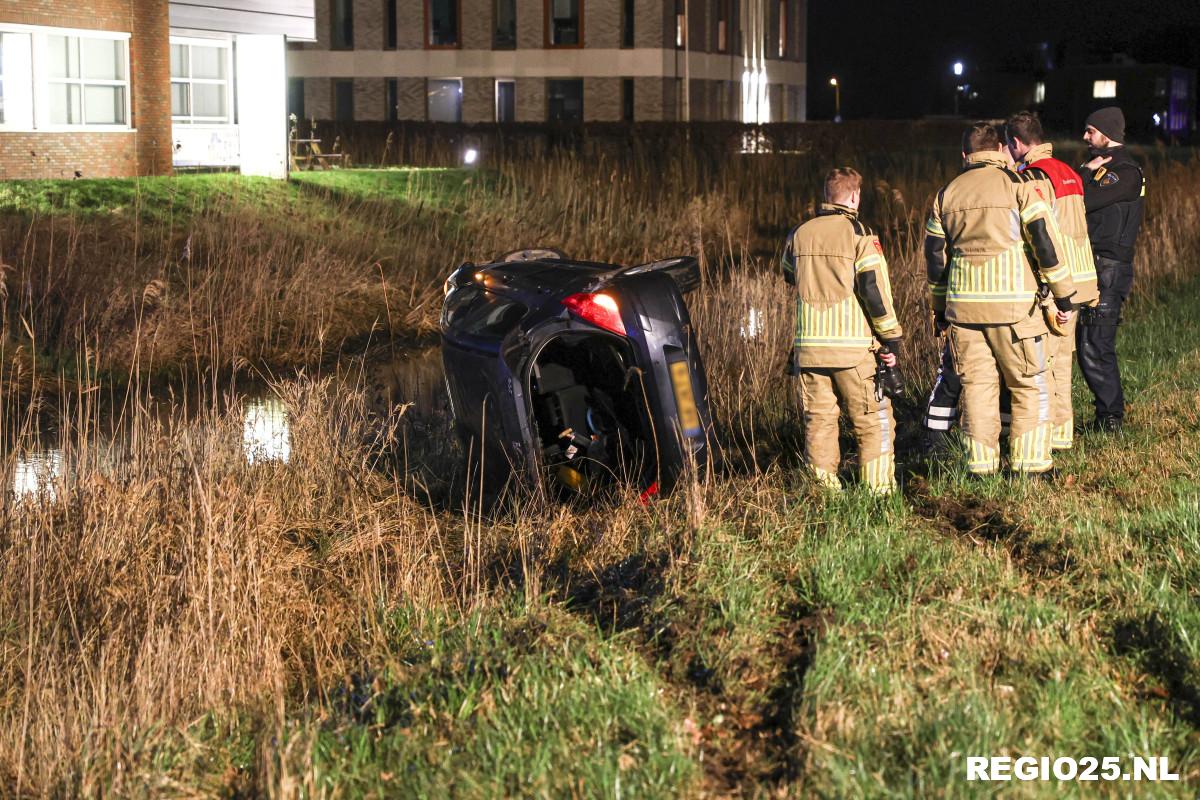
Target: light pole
column 958, row 71
column 837, row 99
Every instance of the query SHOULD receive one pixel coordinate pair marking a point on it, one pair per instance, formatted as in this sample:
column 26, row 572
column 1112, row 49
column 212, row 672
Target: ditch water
column 42, row 448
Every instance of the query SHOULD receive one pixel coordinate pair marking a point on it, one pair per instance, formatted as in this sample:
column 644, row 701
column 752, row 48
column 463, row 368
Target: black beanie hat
column 1109, row 121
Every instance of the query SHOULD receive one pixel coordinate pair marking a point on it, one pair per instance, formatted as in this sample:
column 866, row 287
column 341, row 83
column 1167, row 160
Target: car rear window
column 481, row 313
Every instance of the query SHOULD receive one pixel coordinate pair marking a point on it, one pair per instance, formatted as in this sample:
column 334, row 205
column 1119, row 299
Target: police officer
column 1063, row 187
column 986, row 291
column 844, row 305
column 1114, row 189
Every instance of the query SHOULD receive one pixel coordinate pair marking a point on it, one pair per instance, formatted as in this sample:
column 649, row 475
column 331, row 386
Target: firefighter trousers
column 1062, row 414
column 941, row 409
column 853, row 388
column 983, row 356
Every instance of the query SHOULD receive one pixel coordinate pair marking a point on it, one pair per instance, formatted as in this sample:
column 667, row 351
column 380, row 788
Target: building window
column 343, row 100
column 296, row 97
column 680, row 23
column 442, row 18
column 392, row 100
column 504, row 31
column 1039, row 92
column 200, row 77
column 506, row 101
column 87, row 83
column 1104, row 89
column 341, row 35
column 722, row 26
column 391, row 23
column 564, row 100
column 563, row 28
column 16, row 80
column 783, row 28
column 628, row 14
column 627, row 99
column 444, row 100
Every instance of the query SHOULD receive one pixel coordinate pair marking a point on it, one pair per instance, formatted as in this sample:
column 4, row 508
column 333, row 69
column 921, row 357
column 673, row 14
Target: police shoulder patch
column 1109, row 178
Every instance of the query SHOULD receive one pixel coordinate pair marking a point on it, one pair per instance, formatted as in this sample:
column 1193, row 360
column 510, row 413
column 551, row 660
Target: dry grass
column 176, row 621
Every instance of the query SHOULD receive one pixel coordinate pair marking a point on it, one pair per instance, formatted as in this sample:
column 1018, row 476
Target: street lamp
column 837, row 99
column 958, row 71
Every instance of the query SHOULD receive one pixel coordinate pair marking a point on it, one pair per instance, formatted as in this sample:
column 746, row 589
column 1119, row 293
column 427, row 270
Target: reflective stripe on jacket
column 844, row 296
column 1058, row 181
column 976, row 242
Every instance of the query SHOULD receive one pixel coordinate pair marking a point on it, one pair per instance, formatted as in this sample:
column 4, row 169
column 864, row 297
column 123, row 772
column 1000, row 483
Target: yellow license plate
column 685, row 401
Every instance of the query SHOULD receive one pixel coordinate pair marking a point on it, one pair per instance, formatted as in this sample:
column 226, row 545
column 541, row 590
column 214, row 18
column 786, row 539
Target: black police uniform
column 1114, row 198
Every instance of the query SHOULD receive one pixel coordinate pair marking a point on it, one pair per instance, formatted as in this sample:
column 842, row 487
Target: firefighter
column 941, row 409
column 1114, row 191
column 1062, row 185
column 844, row 312
column 985, row 292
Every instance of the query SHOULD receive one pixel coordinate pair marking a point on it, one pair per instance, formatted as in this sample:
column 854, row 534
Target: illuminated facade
column 553, row 60
column 102, row 88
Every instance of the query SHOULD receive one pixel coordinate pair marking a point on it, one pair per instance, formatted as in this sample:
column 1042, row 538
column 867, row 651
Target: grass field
column 177, row 622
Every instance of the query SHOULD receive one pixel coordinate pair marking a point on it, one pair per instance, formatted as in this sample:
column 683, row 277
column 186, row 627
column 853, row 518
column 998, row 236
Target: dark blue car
column 577, row 373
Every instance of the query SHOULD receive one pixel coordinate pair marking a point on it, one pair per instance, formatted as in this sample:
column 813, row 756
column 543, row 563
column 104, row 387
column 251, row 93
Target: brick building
column 553, row 60
column 106, row 88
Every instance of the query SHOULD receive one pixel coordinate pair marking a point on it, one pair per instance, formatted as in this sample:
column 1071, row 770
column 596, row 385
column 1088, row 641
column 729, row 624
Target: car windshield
column 480, row 313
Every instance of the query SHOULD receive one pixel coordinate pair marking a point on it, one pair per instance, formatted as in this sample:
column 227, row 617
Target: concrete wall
column 531, row 100
column 479, row 100
column 602, row 99
column 370, row 98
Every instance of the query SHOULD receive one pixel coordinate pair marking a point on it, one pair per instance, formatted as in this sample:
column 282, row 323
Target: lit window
column 1104, row 89
column 16, row 80
column 87, row 82
column 200, row 82
column 783, row 28
column 1039, row 92
column 51, row 77
column 444, row 100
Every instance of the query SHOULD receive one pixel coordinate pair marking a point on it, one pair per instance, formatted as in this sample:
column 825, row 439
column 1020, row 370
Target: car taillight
column 598, row 309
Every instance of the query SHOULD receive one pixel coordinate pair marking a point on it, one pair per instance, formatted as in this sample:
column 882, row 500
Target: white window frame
column 496, row 109
column 230, row 106
column 41, row 81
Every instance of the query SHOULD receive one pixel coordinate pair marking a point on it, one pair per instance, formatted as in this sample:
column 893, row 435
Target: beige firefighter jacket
column 844, row 296
column 975, row 246
column 1059, row 181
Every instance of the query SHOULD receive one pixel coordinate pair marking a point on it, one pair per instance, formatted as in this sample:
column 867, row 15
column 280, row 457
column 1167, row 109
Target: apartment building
column 553, row 60
column 111, row 88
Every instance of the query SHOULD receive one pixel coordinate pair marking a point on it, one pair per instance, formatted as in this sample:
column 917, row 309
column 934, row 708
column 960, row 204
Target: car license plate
column 685, row 401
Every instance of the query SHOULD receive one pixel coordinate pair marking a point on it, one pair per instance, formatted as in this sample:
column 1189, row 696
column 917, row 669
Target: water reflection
column 265, row 433
column 36, row 474
column 754, row 325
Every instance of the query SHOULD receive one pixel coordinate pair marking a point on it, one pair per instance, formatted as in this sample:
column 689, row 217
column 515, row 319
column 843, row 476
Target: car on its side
column 577, row 373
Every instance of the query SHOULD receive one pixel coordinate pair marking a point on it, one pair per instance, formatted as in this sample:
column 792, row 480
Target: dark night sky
column 893, row 57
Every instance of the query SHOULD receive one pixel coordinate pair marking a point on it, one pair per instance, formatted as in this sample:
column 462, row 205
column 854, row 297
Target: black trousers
column 1096, row 337
column 941, row 409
